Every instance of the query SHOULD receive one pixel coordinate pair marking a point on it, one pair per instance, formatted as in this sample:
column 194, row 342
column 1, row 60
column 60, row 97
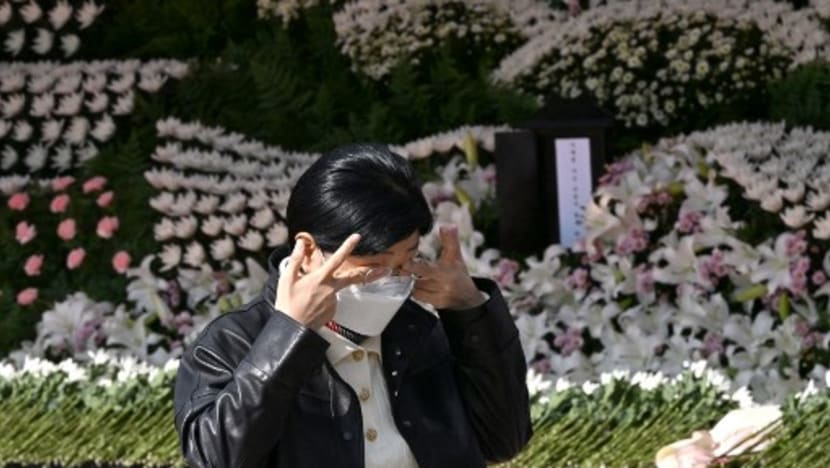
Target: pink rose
column 33, row 265
column 107, row 227
column 121, row 261
column 19, row 201
column 62, row 183
column 59, row 203
column 25, row 232
column 75, row 258
column 105, row 199
column 67, row 229
column 27, row 296
column 95, row 184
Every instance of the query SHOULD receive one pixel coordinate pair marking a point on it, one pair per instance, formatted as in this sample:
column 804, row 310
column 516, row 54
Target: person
column 358, row 353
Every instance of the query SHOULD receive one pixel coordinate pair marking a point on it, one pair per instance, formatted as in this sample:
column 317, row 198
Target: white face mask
column 368, row 308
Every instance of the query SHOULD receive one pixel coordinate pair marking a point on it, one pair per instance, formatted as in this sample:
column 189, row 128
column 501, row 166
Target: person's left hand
column 445, row 284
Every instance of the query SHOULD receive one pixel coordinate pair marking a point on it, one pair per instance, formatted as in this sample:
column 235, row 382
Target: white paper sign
column 573, row 183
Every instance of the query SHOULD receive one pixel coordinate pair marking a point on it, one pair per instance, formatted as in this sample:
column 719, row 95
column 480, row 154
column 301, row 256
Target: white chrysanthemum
column 170, row 256
column 31, row 12
column 222, row 249
column 236, row 225
column 252, row 241
column 277, row 235
column 87, row 13
column 70, row 44
column 796, row 217
column 5, row 12
column 12, row 105
column 103, row 129
column 60, row 14
column 195, row 254
column 43, row 42
column 164, row 230
column 213, row 225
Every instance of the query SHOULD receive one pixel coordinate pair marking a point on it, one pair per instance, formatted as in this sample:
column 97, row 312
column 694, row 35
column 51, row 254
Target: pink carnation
column 25, row 232
column 33, row 265
column 27, row 296
column 121, row 261
column 19, row 201
column 105, row 199
column 107, row 227
column 67, row 229
column 75, row 258
column 59, row 203
column 95, row 184
column 62, row 183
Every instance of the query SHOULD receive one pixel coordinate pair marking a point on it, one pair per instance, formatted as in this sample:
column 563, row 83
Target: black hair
column 363, row 188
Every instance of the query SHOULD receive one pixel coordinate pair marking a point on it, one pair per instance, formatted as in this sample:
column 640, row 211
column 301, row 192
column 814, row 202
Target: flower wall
column 45, row 29
column 148, row 149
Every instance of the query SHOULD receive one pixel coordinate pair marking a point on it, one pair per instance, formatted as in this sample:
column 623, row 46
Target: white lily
column 774, row 268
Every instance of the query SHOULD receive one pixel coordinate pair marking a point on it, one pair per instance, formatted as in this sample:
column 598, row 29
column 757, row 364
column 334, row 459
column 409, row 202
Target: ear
column 310, row 261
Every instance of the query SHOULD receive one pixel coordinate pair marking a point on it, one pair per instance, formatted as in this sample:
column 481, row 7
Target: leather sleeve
column 491, row 373
column 231, row 412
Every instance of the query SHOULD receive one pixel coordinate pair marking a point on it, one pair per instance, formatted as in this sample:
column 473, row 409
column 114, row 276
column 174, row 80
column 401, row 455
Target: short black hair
column 363, row 188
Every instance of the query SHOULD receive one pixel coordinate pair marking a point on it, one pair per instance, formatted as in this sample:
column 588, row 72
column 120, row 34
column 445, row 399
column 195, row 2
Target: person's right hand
column 310, row 298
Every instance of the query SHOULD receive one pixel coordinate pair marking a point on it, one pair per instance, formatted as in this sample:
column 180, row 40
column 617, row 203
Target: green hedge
column 122, row 415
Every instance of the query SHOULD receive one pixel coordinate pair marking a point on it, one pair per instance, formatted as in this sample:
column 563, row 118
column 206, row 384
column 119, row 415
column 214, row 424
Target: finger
column 420, row 268
column 450, row 247
column 337, row 259
column 362, row 276
column 296, row 260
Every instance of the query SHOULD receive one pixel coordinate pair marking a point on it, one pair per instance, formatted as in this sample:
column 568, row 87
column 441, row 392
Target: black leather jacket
column 255, row 389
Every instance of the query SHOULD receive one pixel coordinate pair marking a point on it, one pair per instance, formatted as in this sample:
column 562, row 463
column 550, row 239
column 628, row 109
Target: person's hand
column 445, row 284
column 310, row 298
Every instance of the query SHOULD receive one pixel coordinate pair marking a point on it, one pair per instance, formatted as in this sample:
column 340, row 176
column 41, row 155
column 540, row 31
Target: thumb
column 450, row 247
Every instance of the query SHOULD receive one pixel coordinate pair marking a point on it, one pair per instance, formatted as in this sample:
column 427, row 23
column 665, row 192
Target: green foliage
column 129, row 422
column 184, row 29
column 292, row 87
column 803, row 97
